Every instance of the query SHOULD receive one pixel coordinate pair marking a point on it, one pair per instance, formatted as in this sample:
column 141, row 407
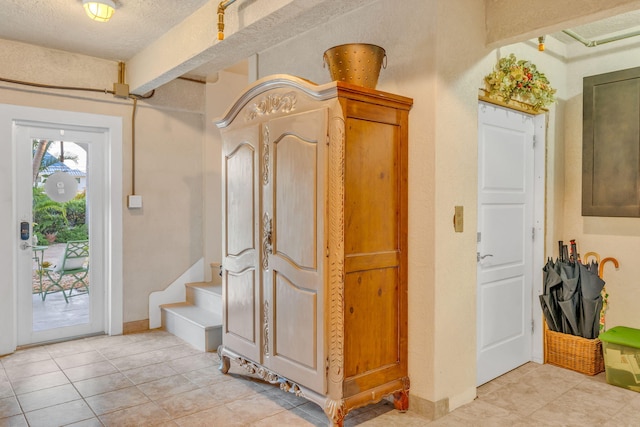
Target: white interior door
column 506, row 233
column 53, row 318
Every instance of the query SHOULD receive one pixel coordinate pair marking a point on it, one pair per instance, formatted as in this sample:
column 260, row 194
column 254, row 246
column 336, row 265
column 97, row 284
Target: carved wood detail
column 266, row 240
column 265, row 155
column 336, row 250
column 272, row 104
column 265, row 374
column 265, row 328
column 336, row 411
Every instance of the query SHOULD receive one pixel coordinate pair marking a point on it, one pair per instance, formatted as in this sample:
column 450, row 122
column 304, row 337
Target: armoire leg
column 401, row 400
column 225, row 362
column 335, row 412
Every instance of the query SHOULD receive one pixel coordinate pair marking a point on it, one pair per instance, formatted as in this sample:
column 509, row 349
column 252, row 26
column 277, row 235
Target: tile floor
column 156, row 379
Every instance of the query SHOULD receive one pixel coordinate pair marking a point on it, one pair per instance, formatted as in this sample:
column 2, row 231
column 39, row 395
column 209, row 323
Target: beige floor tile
column 628, row 416
column 105, row 341
column 150, row 373
column 229, row 391
column 148, row 414
column 91, row 370
column 9, row 407
column 91, row 422
column 103, row 384
column 15, row 421
column 289, row 419
column 79, row 359
column 389, row 419
column 194, row 362
column 258, row 406
column 39, row 382
column 60, row 415
column 5, row 389
column 166, row 387
column 188, row 403
column 217, row 416
column 593, row 394
column 116, row 400
column 153, row 357
column 115, row 352
column 479, row 413
column 21, row 357
column 25, row 370
column 48, row 397
column 207, row 376
column 69, row 347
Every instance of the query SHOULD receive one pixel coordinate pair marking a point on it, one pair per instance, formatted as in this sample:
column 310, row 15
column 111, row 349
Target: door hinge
column 532, row 325
column 479, row 237
column 534, row 141
column 533, row 233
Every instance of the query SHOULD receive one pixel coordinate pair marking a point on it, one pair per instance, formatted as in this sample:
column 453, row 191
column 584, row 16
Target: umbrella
column 548, row 300
column 571, row 300
column 591, row 289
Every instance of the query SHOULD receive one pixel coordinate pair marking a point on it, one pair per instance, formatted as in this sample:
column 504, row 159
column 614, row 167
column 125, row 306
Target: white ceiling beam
column 250, row 27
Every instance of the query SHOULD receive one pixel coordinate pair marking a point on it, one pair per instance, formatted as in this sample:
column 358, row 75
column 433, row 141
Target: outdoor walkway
column 54, row 312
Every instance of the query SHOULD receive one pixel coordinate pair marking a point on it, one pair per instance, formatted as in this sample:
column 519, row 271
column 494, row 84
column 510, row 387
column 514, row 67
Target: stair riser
column 204, row 299
column 199, row 337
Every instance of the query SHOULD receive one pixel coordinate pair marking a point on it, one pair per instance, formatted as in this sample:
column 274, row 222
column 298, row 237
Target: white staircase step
column 199, row 327
column 205, row 295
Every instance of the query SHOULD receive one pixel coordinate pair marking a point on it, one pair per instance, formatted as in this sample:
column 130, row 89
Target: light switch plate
column 134, row 202
column 458, row 219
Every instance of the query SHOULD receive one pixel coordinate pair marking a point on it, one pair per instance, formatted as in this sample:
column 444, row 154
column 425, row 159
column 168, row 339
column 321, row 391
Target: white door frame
column 111, row 126
column 540, row 122
column 539, row 200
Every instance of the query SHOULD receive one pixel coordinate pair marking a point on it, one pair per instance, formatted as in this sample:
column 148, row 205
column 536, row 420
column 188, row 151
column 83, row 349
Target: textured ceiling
column 63, row 25
column 615, row 25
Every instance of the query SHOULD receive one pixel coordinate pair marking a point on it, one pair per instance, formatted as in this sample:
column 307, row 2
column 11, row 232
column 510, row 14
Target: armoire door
column 293, row 221
column 240, row 234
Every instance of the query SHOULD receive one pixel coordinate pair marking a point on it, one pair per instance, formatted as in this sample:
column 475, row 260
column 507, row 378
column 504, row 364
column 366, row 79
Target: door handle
column 481, row 257
column 24, row 246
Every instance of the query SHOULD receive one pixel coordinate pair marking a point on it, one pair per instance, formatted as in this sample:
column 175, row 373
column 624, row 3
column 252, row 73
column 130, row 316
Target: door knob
column 481, row 257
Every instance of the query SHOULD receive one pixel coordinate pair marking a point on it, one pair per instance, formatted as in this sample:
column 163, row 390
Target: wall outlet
column 134, row 202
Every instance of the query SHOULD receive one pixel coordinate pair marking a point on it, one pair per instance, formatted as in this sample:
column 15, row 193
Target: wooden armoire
column 314, row 200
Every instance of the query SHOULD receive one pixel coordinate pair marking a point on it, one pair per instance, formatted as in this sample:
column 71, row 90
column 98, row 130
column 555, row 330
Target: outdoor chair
column 74, row 266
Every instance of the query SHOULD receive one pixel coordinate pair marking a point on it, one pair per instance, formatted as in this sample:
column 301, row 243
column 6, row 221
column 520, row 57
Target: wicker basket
column 572, row 352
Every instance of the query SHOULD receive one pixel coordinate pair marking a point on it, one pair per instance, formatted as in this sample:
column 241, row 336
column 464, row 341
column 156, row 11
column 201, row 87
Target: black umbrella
column 591, row 290
column 548, row 299
column 571, row 300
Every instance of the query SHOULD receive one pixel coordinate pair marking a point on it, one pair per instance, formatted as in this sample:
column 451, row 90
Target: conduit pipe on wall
column 594, row 43
column 221, row 7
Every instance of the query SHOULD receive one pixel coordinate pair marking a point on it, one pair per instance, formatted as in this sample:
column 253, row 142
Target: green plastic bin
column 621, row 348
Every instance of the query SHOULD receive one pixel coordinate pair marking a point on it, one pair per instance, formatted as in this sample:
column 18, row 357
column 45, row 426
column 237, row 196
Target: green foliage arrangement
column 519, row 80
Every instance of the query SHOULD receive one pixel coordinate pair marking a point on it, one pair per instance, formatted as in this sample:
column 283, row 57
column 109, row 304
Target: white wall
column 163, row 239
column 610, row 237
column 220, row 95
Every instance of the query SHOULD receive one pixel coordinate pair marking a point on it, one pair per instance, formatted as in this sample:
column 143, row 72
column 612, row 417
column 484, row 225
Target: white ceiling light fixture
column 100, row 10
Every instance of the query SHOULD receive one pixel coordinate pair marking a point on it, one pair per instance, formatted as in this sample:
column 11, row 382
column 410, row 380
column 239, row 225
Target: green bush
column 76, row 210
column 73, row 233
column 67, row 221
